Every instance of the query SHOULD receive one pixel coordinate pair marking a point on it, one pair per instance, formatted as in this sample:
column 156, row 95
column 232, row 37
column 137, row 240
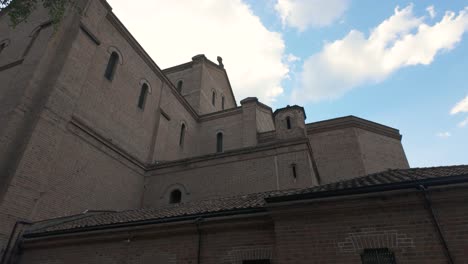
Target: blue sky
column 339, row 64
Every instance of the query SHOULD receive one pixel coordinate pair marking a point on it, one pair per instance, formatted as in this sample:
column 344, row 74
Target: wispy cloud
column 444, row 134
column 292, row 58
column 460, row 107
column 400, row 41
column 253, row 55
column 302, row 14
column 431, row 11
column 463, row 123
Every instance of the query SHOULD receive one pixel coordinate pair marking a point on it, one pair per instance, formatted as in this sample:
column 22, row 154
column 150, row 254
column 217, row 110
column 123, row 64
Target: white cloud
column 443, row 134
column 431, row 11
column 173, row 31
column 401, row 40
column 463, row 123
column 460, row 107
column 292, row 58
column 302, row 14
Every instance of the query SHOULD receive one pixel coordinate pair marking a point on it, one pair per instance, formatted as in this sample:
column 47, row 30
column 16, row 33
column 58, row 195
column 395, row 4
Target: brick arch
column 111, row 49
column 173, row 187
column 143, row 81
column 372, row 238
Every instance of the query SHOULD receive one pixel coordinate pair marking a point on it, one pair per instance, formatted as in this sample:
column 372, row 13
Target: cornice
column 352, row 122
column 179, row 67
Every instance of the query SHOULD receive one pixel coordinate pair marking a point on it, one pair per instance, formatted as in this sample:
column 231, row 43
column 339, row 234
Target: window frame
column 378, row 256
column 175, row 197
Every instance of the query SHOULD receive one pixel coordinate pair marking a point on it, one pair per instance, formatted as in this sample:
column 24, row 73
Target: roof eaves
column 437, row 181
column 237, row 211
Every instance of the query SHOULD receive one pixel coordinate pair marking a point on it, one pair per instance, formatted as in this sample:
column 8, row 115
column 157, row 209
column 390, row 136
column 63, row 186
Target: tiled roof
column 383, row 178
column 237, row 203
column 240, row 204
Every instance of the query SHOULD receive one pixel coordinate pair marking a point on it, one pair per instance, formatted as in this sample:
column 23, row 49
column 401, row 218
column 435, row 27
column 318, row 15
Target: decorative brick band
column 371, row 238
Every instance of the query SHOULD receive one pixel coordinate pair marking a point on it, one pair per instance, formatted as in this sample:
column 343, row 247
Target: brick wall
column 231, row 174
column 337, row 154
column 381, row 152
column 338, row 232
column 327, row 231
column 349, row 147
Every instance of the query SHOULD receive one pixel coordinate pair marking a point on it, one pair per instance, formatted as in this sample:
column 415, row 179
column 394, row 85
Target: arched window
column 2, row 47
column 176, row 197
column 111, row 66
column 182, row 135
column 143, row 95
column 213, row 98
column 219, row 142
column 179, row 86
column 288, row 122
column 222, row 102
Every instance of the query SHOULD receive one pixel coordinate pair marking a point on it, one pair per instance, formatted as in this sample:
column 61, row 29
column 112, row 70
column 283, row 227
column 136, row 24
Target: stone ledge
column 231, row 153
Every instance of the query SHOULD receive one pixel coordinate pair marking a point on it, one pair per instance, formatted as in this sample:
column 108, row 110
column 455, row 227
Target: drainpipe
column 4, row 258
column 197, row 224
column 428, row 202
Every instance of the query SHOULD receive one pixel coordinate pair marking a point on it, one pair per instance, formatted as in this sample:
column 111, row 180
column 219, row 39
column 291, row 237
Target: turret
column 290, row 122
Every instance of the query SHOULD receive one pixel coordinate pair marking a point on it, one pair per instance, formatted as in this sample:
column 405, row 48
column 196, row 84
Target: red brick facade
column 332, row 230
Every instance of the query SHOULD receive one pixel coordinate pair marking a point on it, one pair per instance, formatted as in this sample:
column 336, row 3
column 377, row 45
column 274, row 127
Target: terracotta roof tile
column 237, row 203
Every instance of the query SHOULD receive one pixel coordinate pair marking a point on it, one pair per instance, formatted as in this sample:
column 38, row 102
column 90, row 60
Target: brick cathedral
column 106, row 158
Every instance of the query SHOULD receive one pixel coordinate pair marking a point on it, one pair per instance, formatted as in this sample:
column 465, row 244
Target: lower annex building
column 106, row 158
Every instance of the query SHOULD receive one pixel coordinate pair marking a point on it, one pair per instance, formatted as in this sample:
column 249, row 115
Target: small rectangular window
column 378, row 256
column 256, row 261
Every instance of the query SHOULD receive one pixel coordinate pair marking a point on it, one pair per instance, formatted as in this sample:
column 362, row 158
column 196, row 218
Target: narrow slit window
column 111, row 66
column 219, row 142
column 179, row 86
column 143, row 94
column 222, row 103
column 294, row 170
column 176, row 197
column 288, row 122
column 182, row 135
column 213, row 98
